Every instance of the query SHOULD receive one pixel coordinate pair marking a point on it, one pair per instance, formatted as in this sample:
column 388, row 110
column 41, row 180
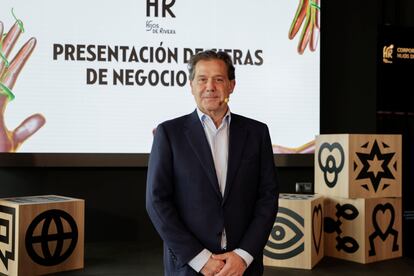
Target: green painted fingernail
column 19, row 22
column 313, row 4
column 2, row 56
column 21, row 27
column 6, row 91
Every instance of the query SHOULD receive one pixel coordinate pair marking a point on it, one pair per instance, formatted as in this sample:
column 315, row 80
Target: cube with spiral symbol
column 358, row 166
column 41, row 235
column 296, row 239
column 363, row 230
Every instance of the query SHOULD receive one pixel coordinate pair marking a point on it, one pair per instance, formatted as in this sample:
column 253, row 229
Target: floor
column 127, row 259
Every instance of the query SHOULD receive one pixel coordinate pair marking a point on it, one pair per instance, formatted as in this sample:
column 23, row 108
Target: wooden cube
column 358, row 166
column 296, row 239
column 363, row 230
column 41, row 235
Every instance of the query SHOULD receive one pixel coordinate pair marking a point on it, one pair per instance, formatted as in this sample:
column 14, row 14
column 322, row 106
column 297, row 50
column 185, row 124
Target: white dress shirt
column 218, row 139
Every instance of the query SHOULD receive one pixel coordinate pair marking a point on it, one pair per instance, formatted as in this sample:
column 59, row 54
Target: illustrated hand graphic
column 10, row 140
column 307, row 14
column 306, row 148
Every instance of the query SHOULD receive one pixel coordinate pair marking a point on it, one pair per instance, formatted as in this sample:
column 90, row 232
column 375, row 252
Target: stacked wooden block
column 41, row 235
column 360, row 178
column 296, row 239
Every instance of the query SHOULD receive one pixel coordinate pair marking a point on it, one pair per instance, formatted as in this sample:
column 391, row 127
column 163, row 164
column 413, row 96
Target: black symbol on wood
column 348, row 212
column 375, row 177
column 8, row 239
column 44, row 220
column 378, row 231
column 317, row 236
column 278, row 235
column 331, row 165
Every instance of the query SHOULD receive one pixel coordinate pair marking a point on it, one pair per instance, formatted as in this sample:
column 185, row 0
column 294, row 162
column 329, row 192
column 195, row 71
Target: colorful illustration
column 10, row 140
column 86, row 72
column 306, row 148
column 307, row 14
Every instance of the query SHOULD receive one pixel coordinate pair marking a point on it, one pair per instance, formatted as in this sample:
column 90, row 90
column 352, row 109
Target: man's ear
column 232, row 85
column 191, row 86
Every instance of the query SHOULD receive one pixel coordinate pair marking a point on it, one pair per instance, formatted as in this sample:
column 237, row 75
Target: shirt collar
column 202, row 116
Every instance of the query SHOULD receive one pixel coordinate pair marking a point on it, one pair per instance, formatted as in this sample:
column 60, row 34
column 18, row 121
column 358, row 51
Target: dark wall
column 397, row 12
column 396, row 100
column 348, row 67
column 114, row 197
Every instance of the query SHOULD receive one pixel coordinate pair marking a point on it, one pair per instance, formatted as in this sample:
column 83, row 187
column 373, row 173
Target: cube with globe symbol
column 41, row 235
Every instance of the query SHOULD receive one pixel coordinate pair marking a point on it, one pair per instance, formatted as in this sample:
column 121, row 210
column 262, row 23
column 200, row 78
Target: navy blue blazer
column 183, row 198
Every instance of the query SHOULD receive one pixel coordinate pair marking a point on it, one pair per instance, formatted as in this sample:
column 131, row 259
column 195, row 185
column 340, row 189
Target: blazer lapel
column 237, row 139
column 198, row 142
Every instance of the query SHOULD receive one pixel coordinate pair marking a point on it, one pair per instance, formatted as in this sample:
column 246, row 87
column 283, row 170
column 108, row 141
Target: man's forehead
column 215, row 66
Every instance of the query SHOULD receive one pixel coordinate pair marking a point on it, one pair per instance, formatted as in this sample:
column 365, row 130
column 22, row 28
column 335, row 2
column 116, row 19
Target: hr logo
column 331, row 162
column 348, row 212
column 7, row 234
column 387, row 53
column 162, row 5
column 43, row 221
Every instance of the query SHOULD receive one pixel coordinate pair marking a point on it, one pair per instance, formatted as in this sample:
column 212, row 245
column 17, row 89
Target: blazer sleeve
column 183, row 246
column 265, row 210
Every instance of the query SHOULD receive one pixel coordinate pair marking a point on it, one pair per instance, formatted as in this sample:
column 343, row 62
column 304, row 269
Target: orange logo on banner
column 387, row 53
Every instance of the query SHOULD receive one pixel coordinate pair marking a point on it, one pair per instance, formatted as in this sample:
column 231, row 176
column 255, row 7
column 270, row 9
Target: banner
column 99, row 76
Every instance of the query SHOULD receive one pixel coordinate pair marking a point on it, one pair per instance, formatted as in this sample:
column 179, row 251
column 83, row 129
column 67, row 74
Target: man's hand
column 10, row 140
column 212, row 267
column 234, row 264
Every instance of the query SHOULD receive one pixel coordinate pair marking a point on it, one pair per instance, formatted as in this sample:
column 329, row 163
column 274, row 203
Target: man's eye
column 219, row 79
column 202, row 80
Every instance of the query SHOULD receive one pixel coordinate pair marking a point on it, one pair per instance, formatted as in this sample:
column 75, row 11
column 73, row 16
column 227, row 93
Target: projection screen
column 99, row 76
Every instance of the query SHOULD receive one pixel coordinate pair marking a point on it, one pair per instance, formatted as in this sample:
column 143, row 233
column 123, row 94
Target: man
column 211, row 187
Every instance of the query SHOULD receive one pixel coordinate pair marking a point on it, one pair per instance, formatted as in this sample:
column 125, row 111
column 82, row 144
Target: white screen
column 274, row 84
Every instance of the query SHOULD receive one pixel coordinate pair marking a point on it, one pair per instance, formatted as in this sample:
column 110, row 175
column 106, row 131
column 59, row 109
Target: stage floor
column 131, row 259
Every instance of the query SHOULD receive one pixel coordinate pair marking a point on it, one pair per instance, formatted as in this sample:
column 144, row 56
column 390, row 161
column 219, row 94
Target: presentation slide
column 99, row 76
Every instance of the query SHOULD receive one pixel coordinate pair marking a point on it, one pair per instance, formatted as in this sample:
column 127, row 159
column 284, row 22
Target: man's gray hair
column 209, row 55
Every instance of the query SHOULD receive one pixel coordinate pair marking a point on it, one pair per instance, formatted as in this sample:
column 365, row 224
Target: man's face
column 211, row 86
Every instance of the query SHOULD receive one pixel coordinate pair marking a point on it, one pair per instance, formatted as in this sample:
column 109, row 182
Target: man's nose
column 210, row 85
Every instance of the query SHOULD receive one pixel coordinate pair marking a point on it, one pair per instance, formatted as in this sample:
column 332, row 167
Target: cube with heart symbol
column 358, row 166
column 296, row 239
column 41, row 235
column 363, row 230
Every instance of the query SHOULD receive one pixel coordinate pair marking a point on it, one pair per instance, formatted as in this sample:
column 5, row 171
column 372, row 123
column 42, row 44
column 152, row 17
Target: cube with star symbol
column 363, row 230
column 358, row 166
